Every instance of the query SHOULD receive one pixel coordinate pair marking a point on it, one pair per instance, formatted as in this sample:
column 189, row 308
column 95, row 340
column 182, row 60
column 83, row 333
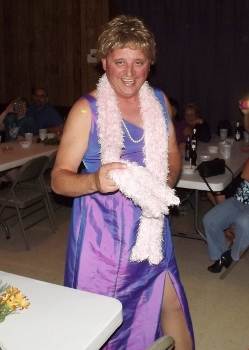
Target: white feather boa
column 145, row 186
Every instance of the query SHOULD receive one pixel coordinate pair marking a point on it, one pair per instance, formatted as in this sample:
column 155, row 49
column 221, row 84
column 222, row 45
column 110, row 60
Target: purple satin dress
column 102, row 232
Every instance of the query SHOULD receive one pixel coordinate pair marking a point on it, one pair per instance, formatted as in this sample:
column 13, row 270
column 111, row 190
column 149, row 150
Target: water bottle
column 194, row 139
column 187, row 149
column 237, row 134
column 193, row 155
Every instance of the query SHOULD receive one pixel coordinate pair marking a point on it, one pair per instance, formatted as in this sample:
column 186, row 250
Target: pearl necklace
column 129, row 135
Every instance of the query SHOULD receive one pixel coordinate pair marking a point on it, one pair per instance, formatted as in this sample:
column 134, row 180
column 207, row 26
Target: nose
column 129, row 70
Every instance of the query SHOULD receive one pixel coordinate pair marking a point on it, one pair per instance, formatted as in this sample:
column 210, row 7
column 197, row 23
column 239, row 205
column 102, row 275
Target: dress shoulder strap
column 160, row 96
column 92, row 102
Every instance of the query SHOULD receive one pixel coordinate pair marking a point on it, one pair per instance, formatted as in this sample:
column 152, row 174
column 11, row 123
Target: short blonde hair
column 126, row 31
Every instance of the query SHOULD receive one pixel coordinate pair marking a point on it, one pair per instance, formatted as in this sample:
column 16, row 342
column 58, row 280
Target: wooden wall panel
column 45, row 43
column 94, row 15
column 2, row 56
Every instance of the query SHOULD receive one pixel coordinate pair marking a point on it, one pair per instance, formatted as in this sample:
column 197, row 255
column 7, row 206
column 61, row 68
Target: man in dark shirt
column 44, row 115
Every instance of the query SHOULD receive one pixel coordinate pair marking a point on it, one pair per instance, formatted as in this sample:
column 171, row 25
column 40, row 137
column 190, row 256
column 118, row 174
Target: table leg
column 198, row 235
column 196, row 216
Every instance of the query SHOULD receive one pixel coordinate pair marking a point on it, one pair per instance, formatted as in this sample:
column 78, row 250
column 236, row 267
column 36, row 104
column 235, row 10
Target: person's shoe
column 224, row 261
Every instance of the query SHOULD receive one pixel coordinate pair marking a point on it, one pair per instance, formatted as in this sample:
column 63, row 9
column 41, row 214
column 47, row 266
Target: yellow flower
column 11, row 303
column 14, row 299
column 21, row 301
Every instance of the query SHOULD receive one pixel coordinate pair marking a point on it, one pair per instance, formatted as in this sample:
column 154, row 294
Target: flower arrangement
column 11, row 300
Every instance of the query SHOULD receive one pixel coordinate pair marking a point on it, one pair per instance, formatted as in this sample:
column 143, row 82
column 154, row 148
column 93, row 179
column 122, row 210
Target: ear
column 103, row 60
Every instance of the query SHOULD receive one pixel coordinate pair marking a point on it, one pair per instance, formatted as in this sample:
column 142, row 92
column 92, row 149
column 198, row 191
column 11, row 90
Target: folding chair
column 46, row 181
column 163, row 343
column 25, row 193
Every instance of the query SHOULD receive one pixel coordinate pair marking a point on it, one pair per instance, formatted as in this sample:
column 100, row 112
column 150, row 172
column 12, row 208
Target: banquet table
column 58, row 317
column 12, row 155
column 217, row 183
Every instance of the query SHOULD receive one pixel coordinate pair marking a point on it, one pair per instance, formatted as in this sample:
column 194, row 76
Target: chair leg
column 50, row 208
column 5, row 229
column 50, row 215
column 48, row 204
column 22, row 228
column 3, row 226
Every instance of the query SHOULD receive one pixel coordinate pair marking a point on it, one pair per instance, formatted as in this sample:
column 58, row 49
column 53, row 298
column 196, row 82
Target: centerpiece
column 11, row 300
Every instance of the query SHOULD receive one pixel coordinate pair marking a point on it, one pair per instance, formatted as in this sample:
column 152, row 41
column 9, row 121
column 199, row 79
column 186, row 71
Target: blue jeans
column 219, row 218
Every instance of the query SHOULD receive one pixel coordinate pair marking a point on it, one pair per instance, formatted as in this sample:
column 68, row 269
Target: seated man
column 44, row 115
column 16, row 120
column 232, row 213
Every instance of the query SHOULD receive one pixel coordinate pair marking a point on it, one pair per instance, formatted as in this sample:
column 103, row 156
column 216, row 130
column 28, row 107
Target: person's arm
column 174, row 155
column 245, row 171
column 73, row 146
column 174, row 158
column 8, row 109
column 246, row 121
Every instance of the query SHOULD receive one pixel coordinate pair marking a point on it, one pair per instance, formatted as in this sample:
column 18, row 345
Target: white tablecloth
column 12, row 155
column 58, row 318
column 217, row 183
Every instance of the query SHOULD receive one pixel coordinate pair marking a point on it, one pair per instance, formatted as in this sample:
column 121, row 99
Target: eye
column 119, row 62
column 139, row 62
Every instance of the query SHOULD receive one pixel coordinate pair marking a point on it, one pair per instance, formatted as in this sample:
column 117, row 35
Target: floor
column 220, row 308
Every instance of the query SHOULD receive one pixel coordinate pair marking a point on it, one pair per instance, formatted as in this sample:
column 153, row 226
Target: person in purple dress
column 119, row 240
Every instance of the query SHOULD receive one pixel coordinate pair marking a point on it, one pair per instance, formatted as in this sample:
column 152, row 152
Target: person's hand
column 10, row 108
column 103, row 182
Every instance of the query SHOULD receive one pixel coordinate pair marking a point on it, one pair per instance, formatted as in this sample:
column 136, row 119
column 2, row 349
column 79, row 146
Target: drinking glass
column 42, row 134
column 223, row 134
column 28, row 136
column 13, row 132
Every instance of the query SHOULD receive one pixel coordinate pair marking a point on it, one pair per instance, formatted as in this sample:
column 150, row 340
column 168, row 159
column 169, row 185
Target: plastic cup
column 42, row 134
column 223, row 134
column 28, row 136
column 225, row 150
column 246, row 136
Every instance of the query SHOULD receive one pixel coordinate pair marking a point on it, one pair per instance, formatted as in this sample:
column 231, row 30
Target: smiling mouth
column 127, row 81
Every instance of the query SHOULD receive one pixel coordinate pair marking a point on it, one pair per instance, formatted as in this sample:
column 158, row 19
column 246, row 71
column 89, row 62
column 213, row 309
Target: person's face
column 40, row 97
column 244, row 105
column 126, row 69
column 20, row 109
column 190, row 116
